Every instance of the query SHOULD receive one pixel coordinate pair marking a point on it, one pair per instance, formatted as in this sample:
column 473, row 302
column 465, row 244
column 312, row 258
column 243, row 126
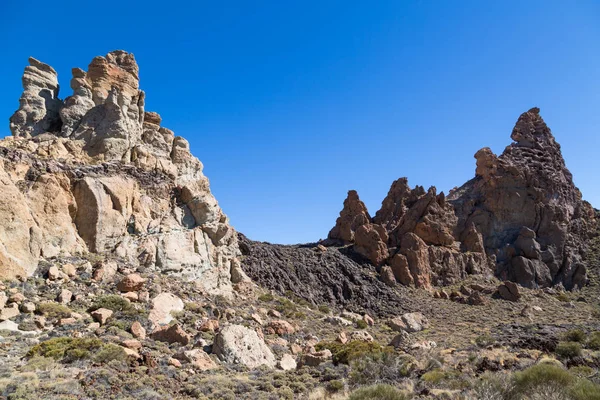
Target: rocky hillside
column 96, row 173
column 521, row 218
column 121, row 278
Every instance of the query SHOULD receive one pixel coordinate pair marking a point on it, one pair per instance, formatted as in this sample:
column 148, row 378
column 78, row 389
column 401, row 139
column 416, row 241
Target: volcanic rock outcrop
column 521, row 218
column 97, row 173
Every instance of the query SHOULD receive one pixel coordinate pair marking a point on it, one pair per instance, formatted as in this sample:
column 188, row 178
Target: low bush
column 583, row 389
column 344, row 353
column 575, row 335
column 112, row 302
column 324, row 309
column 266, row 297
column 68, row 349
column 335, row 386
column 594, row 341
column 568, row 349
column 484, row 340
column 378, row 392
column 53, row 310
column 384, row 367
column 65, row 348
column 541, row 375
column 360, row 324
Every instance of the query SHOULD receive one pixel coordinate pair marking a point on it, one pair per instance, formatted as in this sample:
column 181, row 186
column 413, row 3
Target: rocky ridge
column 96, row 173
column 521, row 218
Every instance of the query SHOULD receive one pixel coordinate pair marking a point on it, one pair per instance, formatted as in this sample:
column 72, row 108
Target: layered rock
column 96, row 173
column 521, row 217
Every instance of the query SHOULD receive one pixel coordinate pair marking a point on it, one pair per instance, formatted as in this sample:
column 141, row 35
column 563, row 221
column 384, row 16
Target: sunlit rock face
column 521, row 218
column 97, row 173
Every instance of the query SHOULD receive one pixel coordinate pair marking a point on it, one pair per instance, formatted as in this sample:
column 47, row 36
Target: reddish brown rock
column 281, row 327
column 131, row 283
column 102, row 315
column 509, row 291
column 138, row 331
column 171, row 334
column 208, row 325
column 370, row 240
column 521, row 217
column 353, row 215
column 401, row 270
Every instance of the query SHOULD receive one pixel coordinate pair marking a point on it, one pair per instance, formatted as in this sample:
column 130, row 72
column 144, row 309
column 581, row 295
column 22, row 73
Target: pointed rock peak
column 394, row 204
column 353, row 215
column 531, row 130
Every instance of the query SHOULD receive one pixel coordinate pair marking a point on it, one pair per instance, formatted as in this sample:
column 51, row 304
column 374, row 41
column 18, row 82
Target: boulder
column 101, row 315
column 199, row 359
column 171, row 334
column 281, row 327
column 131, row 283
column 287, row 363
column 138, row 331
column 409, row 322
column 316, row 358
column 237, row 344
column 509, row 291
column 163, row 305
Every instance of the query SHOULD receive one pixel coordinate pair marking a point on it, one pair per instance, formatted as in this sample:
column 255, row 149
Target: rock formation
column 521, row 218
column 96, row 173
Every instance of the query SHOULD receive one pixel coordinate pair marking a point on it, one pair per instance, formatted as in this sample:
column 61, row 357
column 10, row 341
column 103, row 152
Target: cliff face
column 97, row 173
column 521, row 218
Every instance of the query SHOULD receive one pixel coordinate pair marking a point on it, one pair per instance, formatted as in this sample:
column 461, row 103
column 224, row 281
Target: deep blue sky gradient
column 291, row 104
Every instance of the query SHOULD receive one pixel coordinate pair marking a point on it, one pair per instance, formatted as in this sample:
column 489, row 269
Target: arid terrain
column 122, row 278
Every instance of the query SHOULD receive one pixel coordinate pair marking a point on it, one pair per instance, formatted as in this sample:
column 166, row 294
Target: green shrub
column 568, row 349
column 378, row 392
column 335, row 386
column 324, row 309
column 434, row 376
column 563, row 297
column 110, row 352
column 66, row 348
column 360, row 324
column 384, row 367
column 583, row 389
column 112, row 302
column 484, row 340
column 541, row 375
column 581, row 371
column 594, row 341
column 266, row 297
column 54, row 310
column 575, row 335
column 344, row 353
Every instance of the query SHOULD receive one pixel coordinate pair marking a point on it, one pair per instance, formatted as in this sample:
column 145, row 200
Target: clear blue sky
column 290, row 105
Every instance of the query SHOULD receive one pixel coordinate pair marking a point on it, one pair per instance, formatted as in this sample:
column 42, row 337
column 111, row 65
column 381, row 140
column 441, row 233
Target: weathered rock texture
column 521, row 217
column 96, row 173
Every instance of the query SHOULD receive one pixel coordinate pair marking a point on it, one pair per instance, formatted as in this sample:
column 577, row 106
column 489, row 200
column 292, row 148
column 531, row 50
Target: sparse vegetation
column 378, row 392
column 344, row 353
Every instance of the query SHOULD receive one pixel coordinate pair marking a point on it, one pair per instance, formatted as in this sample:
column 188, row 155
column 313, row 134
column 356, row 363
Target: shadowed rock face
column 97, row 173
column 521, row 218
